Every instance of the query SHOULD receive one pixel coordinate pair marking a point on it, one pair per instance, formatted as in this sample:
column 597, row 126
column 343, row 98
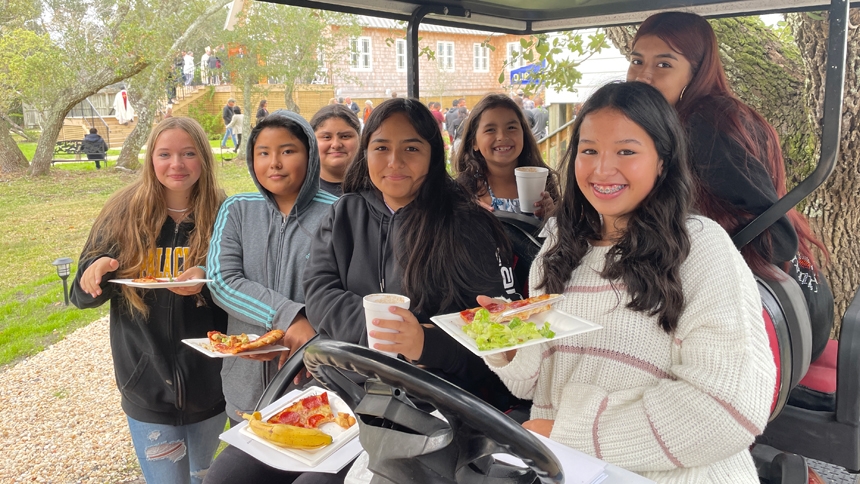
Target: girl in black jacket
column 405, row 227
column 160, row 226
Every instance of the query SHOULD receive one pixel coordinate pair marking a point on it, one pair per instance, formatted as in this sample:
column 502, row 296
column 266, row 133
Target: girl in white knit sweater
column 680, row 379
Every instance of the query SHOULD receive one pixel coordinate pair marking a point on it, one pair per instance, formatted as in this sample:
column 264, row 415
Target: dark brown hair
column 440, row 226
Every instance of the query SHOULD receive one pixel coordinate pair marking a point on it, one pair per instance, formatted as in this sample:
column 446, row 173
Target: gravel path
column 61, row 417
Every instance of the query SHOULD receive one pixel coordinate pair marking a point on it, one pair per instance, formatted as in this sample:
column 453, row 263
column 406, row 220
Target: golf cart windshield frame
column 513, row 17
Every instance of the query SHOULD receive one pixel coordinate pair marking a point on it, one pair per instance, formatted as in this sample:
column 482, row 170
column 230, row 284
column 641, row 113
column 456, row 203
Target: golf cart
column 816, row 409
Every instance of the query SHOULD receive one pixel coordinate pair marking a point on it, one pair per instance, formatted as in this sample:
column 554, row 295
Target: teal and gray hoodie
column 256, row 260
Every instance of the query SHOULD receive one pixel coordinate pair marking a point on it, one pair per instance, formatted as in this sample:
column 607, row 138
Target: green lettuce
column 490, row 336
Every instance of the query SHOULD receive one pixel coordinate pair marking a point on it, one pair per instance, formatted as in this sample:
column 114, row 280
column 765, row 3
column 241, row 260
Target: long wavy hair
column 131, row 220
column 648, row 257
column 439, row 227
column 708, row 92
column 470, row 163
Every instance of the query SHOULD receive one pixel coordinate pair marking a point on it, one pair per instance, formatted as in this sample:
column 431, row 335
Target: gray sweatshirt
column 256, row 259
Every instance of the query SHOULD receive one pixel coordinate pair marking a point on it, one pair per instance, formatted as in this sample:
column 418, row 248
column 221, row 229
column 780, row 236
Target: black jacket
column 93, row 144
column 353, row 256
column 161, row 379
column 724, row 169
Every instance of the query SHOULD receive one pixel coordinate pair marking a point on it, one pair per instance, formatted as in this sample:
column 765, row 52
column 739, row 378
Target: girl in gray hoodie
column 260, row 244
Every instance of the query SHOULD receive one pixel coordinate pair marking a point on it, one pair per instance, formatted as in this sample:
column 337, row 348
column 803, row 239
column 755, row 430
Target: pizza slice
column 311, row 412
column 497, row 311
column 145, row 279
column 234, row 344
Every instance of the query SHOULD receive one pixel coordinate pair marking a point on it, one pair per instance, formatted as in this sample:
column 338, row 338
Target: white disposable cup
column 531, row 180
column 376, row 307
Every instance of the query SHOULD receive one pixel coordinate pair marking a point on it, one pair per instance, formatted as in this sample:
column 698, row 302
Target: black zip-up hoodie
column 353, row 256
column 161, row 379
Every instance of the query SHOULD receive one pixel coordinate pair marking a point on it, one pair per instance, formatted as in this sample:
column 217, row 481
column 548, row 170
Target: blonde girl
column 160, row 226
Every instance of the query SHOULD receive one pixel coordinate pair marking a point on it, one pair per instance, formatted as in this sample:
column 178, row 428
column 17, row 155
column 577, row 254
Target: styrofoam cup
column 376, row 307
column 531, row 181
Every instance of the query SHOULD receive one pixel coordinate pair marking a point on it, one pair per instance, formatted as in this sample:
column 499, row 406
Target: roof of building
column 385, row 23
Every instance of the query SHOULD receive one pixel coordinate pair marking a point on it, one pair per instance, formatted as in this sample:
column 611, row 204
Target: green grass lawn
column 42, row 219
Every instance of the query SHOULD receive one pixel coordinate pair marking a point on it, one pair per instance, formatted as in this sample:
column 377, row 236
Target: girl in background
column 735, row 154
column 160, row 226
column 496, row 140
column 336, row 128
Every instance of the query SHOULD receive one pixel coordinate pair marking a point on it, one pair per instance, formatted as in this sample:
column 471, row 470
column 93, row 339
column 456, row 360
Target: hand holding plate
column 193, row 273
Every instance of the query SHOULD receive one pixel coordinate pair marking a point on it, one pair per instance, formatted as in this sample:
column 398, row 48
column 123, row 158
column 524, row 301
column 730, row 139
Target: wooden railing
column 555, row 144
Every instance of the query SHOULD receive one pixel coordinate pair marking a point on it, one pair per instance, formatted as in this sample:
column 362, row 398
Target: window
column 400, row 53
column 515, row 55
column 481, row 62
column 445, row 55
column 359, row 59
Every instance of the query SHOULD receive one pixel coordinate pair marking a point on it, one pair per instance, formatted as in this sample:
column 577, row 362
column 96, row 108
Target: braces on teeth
column 608, row 190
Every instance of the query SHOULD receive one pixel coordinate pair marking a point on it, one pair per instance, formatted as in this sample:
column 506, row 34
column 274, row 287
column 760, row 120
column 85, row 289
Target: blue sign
column 529, row 74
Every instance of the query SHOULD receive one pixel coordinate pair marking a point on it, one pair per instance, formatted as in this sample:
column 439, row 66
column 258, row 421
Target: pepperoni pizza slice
column 497, row 311
column 311, row 412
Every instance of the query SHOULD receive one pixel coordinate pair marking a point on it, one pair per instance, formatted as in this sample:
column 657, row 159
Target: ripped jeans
column 180, row 455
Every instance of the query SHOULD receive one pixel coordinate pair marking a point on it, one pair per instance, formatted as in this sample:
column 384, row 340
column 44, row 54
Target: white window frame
column 480, row 58
column 400, row 54
column 520, row 61
column 360, row 59
column 444, row 59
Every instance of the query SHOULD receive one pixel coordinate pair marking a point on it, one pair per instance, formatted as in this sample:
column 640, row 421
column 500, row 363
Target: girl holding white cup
column 404, row 228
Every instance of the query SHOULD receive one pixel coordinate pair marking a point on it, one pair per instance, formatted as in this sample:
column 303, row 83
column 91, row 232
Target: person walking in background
column 450, row 117
column 351, row 105
column 95, row 147
column 204, row 66
column 227, row 116
column 541, row 119
column 236, row 126
column 262, row 112
column 437, row 115
column 122, row 108
column 171, row 394
column 213, row 63
column 368, row 108
column 188, row 69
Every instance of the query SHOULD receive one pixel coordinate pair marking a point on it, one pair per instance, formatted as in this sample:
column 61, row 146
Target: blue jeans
column 229, row 134
column 176, row 455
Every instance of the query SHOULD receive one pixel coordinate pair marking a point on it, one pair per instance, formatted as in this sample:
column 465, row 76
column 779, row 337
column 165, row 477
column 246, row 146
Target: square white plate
column 340, row 436
column 202, row 345
column 562, row 323
column 162, row 283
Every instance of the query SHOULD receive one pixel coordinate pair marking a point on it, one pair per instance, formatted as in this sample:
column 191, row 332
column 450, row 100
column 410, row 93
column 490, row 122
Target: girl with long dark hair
column 735, row 154
column 160, row 226
column 680, row 379
column 405, row 227
column 496, row 140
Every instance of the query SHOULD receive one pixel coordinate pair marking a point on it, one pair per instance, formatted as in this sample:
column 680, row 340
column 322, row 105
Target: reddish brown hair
column 709, row 91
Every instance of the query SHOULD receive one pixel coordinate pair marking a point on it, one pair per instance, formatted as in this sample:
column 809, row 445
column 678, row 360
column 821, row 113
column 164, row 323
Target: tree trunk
column 52, row 124
column 11, row 158
column 247, row 90
column 288, row 98
column 128, row 156
column 833, row 209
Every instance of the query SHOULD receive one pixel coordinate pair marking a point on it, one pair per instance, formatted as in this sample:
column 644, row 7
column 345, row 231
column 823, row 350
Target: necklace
column 177, row 210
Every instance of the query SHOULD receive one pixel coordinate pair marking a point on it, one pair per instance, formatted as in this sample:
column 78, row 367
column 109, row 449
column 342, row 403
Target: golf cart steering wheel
column 405, row 444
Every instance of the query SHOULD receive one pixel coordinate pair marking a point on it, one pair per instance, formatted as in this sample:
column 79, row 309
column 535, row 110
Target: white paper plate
column 562, row 323
column 162, row 283
column 203, row 345
column 340, row 436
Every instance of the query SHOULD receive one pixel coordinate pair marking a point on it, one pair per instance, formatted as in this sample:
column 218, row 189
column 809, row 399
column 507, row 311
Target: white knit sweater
column 680, row 408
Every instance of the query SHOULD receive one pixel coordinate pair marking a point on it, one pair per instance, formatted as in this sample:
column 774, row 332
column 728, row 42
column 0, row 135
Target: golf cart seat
column 523, row 232
column 821, row 419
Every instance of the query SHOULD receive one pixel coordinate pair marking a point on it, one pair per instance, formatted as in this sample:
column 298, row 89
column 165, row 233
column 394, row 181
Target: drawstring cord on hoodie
column 382, row 248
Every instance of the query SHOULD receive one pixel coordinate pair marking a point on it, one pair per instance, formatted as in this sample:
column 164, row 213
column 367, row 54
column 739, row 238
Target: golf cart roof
column 536, row 16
